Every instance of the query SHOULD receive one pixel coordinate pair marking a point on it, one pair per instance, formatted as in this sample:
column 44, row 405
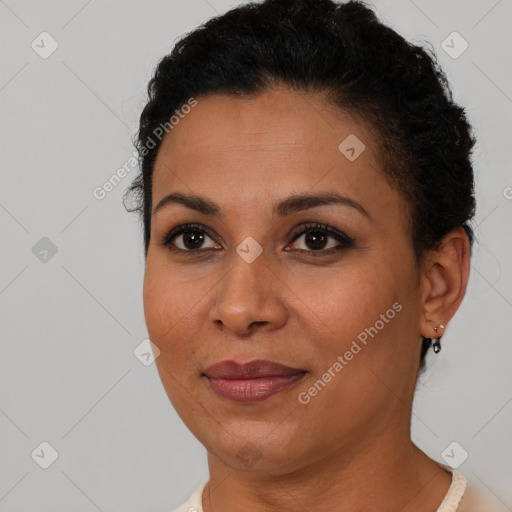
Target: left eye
column 316, row 238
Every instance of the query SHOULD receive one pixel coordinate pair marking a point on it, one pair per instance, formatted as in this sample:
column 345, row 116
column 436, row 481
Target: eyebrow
column 292, row 204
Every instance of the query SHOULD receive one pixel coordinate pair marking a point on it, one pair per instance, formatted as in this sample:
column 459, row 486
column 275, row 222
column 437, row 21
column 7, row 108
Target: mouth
column 251, row 382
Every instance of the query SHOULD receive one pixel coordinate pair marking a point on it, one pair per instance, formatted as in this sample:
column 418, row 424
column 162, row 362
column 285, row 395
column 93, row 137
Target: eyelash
column 345, row 241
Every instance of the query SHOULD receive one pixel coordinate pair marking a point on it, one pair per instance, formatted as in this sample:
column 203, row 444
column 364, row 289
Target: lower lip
column 253, row 390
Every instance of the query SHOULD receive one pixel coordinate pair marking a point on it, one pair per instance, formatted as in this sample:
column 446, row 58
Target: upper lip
column 251, row 370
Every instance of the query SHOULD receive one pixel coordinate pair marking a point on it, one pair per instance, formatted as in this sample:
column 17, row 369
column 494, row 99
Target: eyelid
column 332, row 232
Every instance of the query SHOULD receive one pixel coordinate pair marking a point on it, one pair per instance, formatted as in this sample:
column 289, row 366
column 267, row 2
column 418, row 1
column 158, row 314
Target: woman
column 306, row 191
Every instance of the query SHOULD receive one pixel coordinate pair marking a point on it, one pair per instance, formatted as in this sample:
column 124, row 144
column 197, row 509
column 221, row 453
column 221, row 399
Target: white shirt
column 460, row 497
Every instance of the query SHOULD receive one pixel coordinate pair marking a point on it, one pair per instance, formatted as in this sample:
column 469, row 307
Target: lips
column 251, row 382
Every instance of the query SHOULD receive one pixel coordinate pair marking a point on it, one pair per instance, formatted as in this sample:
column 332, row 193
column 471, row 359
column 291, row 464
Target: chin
column 255, row 448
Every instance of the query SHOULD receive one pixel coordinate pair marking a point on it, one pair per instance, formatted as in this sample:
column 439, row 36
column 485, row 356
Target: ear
column 444, row 278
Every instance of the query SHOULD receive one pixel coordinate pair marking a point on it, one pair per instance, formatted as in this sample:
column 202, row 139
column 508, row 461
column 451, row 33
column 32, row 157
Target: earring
column 437, row 342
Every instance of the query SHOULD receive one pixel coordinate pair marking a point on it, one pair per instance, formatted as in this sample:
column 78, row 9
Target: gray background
column 71, row 321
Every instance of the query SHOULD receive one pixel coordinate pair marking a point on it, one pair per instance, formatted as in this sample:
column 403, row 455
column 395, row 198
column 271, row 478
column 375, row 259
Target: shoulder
column 465, row 497
column 194, row 502
column 477, row 498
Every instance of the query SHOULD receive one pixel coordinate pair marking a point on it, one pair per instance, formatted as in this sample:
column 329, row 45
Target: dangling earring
column 437, row 342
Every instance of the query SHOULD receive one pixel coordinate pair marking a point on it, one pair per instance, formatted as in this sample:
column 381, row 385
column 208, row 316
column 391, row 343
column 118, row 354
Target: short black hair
column 361, row 66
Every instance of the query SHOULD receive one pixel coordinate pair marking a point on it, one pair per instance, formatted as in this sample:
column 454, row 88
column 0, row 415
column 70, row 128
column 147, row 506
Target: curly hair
column 361, row 66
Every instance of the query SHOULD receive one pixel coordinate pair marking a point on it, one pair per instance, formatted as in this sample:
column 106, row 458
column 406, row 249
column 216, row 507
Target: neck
column 386, row 475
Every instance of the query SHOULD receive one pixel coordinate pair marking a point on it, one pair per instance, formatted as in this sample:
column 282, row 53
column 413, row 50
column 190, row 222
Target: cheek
column 364, row 313
column 169, row 308
column 350, row 300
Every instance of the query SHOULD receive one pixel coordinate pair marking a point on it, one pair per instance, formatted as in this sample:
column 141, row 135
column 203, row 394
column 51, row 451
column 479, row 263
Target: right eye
column 190, row 238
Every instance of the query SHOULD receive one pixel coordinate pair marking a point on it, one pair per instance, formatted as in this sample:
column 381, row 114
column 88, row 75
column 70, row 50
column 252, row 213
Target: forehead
column 245, row 150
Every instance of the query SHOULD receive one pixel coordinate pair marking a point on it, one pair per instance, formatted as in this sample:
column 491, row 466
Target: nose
column 249, row 295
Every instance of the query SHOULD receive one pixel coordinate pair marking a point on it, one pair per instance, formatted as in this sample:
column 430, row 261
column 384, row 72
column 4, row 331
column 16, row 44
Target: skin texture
column 297, row 309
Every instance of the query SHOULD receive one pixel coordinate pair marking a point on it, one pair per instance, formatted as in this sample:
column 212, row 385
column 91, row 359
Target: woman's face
column 341, row 308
